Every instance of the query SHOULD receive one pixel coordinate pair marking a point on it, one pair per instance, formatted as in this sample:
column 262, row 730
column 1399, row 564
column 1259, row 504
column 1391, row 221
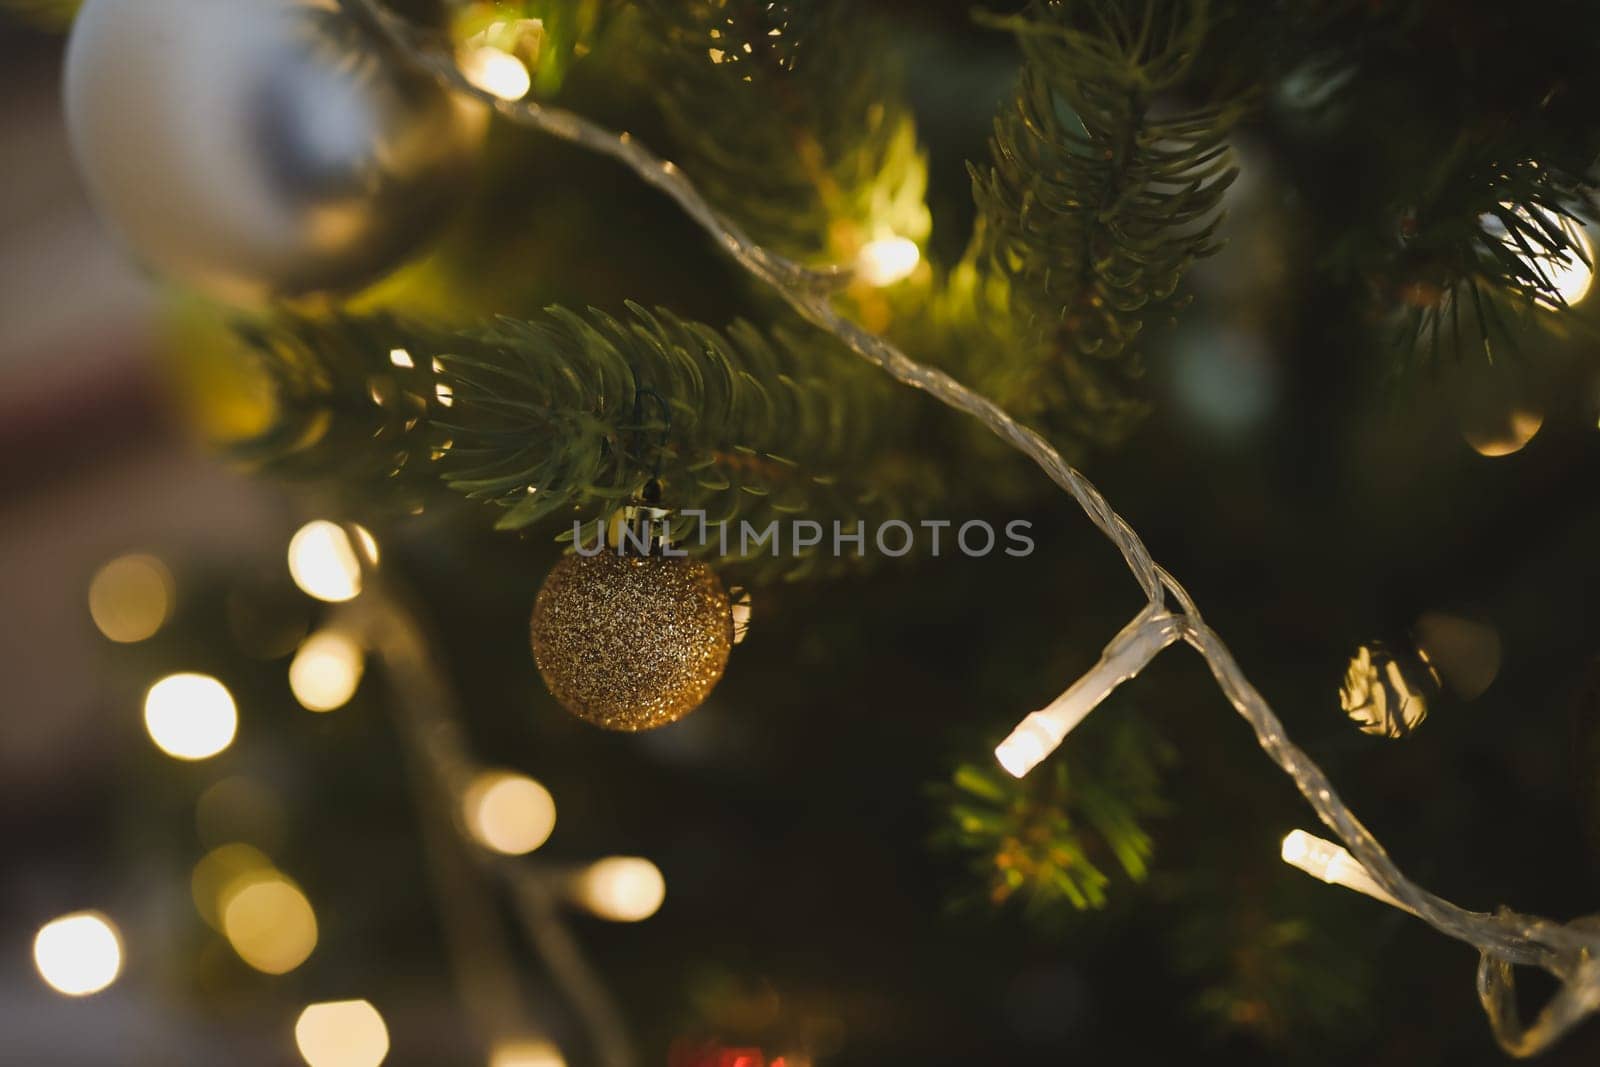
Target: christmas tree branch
column 1094, row 204
column 1569, row 952
column 573, row 411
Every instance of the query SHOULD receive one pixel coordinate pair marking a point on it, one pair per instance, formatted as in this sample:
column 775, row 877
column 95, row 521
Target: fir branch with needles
column 790, row 115
column 1096, row 201
column 576, row 413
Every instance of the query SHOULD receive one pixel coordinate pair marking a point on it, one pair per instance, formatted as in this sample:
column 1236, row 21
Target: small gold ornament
column 631, row 641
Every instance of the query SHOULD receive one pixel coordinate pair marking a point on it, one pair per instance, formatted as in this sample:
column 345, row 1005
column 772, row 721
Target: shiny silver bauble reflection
column 258, row 149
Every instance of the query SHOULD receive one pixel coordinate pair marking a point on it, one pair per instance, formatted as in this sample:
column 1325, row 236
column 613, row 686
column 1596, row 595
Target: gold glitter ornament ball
column 631, row 642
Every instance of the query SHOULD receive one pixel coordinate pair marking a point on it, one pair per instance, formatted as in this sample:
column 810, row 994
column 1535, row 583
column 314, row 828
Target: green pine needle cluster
column 1100, row 196
column 574, row 414
column 1048, row 839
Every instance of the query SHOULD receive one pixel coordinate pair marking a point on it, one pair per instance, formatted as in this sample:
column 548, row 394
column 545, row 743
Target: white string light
column 1570, row 952
column 1128, row 653
column 1324, row 860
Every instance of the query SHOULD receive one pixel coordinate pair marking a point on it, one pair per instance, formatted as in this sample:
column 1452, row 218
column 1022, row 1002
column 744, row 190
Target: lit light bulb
column 269, row 922
column 887, row 260
column 1042, row 732
column 622, row 888
column 496, row 72
column 1328, row 862
column 190, row 716
column 1510, row 435
column 1568, row 275
column 531, row 1053
column 508, row 813
column 326, row 671
column 342, row 1033
column 130, row 597
column 1028, row 745
column 323, row 563
column 78, row 954
column 399, row 357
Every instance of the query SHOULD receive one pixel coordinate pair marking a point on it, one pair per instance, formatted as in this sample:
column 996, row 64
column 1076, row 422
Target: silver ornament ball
column 259, row 149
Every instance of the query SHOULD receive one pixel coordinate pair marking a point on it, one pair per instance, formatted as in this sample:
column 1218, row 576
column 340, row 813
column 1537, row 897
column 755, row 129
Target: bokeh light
column 190, row 716
column 342, row 1033
column 529, row 1053
column 130, row 598
column 323, row 562
column 622, row 888
column 217, row 871
column 365, row 543
column 496, row 72
column 269, row 922
column 508, row 813
column 1569, row 275
column 742, row 608
column 326, row 671
column 78, row 954
column 1465, row 652
column 887, row 260
column 1505, row 435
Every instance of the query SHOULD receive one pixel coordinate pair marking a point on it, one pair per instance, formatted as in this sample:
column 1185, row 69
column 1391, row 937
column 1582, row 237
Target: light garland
column 1570, row 952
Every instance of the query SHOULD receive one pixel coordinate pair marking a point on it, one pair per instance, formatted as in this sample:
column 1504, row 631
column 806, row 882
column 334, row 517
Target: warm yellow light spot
column 130, row 597
column 1568, row 275
column 326, row 671
column 78, row 954
column 1297, row 849
column 446, row 395
column 622, row 888
column 342, row 1033
column 323, row 563
column 496, row 72
column 269, row 922
column 509, row 813
column 1507, row 438
column 742, row 607
column 1021, row 752
column 526, row 1054
column 399, row 357
column 217, row 872
column 367, row 544
column 1573, row 277
column 190, row 716
column 887, row 260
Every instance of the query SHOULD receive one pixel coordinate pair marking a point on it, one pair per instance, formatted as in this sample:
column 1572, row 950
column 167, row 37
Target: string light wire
column 1570, row 952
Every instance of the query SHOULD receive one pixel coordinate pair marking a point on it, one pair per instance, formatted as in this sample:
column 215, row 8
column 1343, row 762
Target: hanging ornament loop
column 640, row 529
column 1569, row 952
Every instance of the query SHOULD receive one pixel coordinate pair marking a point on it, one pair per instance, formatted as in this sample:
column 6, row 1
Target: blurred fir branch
column 49, row 14
column 1098, row 199
column 789, row 116
column 1047, row 838
column 548, row 36
column 575, row 413
column 1282, row 981
column 1471, row 197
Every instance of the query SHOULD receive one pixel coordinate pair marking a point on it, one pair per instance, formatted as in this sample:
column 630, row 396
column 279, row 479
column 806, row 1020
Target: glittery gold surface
column 631, row 643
